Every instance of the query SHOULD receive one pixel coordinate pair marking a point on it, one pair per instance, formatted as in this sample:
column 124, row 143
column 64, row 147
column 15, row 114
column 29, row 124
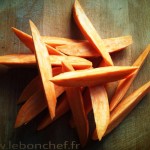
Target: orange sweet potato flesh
column 85, row 49
column 34, row 106
column 34, row 85
column 90, row 33
column 27, row 111
column 45, row 69
column 75, row 100
column 29, row 60
column 100, row 107
column 28, row 41
column 91, row 77
column 124, row 84
column 125, row 107
column 58, row 41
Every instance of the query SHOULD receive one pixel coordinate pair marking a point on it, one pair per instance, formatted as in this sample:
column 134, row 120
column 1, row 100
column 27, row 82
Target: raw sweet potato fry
column 90, row 33
column 125, row 107
column 100, row 107
column 91, row 77
column 33, row 106
column 87, row 105
column 75, row 100
column 28, row 41
column 58, row 41
column 34, row 85
column 29, row 60
column 124, row 84
column 25, row 38
column 85, row 49
column 27, row 112
column 45, row 69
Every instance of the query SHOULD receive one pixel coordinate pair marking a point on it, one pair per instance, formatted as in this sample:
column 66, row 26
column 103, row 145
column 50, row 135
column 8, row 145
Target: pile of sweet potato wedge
column 67, row 79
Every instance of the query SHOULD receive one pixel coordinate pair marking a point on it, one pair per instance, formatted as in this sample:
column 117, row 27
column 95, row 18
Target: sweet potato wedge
column 91, row 77
column 125, row 107
column 28, row 41
column 34, row 106
column 29, row 110
column 124, row 84
column 85, row 49
column 45, row 69
column 34, row 85
column 90, row 33
column 29, row 60
column 58, row 41
column 100, row 107
column 75, row 100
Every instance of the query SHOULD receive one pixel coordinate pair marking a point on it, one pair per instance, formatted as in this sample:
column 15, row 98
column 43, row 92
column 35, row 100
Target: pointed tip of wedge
column 30, row 21
column 21, row 99
column 32, row 25
column 17, row 123
column 76, row 5
column 15, row 30
column 94, row 135
column 52, row 79
column 52, row 113
column 76, row 1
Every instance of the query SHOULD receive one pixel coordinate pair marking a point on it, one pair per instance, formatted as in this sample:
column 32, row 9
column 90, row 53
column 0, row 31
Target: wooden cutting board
column 111, row 18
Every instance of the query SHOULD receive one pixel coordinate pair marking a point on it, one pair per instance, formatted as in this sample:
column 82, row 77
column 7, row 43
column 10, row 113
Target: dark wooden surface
column 111, row 18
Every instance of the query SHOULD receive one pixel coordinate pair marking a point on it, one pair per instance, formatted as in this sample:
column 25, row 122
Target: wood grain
column 111, row 18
